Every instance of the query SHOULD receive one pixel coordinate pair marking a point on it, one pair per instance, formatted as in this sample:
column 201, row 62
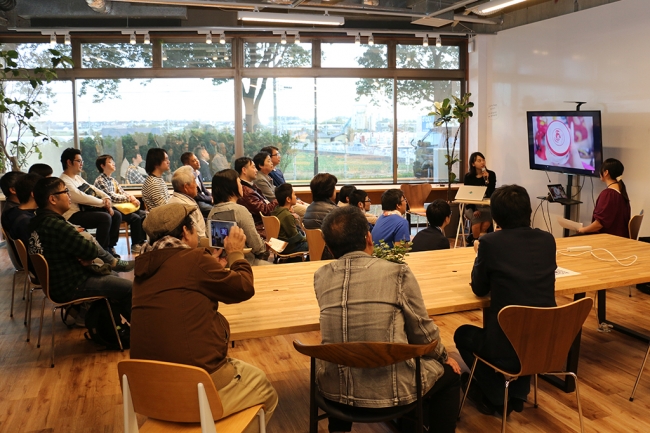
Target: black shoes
column 113, row 253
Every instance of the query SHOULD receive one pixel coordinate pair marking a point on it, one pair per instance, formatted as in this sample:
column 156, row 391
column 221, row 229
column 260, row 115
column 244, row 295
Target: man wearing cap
column 177, row 290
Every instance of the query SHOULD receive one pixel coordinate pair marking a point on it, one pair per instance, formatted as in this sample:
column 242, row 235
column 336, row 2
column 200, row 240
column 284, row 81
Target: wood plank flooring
column 82, row 393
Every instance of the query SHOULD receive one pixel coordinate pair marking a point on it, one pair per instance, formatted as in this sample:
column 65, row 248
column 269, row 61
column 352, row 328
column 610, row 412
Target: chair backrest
column 416, row 194
column 271, row 225
column 11, row 250
column 24, row 259
column 42, row 271
column 635, row 225
column 542, row 337
column 365, row 354
column 167, row 391
column 316, row 243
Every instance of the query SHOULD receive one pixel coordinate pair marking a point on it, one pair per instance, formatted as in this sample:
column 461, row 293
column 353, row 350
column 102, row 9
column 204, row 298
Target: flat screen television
column 568, row 142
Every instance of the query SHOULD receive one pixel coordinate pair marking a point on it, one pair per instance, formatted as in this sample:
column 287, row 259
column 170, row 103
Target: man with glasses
column 433, row 237
column 278, row 178
column 391, row 226
column 90, row 207
column 359, row 198
column 68, row 254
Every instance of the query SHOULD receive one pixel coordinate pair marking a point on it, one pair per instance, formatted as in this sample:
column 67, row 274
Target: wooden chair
column 18, row 268
column 316, row 244
column 416, row 195
column 33, row 283
column 125, row 226
column 541, row 338
column 170, row 394
column 43, row 274
column 272, row 227
column 633, row 228
column 362, row 355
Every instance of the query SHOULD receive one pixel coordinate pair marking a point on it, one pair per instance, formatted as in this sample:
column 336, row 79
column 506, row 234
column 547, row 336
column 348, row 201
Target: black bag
column 88, row 190
column 100, row 328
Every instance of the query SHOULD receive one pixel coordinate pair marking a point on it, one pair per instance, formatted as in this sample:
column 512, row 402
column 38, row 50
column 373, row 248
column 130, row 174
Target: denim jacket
column 362, row 298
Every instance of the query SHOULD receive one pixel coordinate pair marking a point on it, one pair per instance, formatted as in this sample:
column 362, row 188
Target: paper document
column 277, row 245
column 568, row 224
column 562, row 272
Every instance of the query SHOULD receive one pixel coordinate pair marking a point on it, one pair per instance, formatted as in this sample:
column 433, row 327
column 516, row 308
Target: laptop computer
column 558, row 195
column 467, row 192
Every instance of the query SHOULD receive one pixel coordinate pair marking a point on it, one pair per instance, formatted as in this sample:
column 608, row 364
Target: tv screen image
column 565, row 141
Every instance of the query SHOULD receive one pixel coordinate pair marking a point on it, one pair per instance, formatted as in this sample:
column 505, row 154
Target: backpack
column 100, row 328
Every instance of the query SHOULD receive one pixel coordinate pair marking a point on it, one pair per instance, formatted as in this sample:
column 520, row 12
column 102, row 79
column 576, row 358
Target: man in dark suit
column 516, row 266
column 203, row 197
column 433, row 237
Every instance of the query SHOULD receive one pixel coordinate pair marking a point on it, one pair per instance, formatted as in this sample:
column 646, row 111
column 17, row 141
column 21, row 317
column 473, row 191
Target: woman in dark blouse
column 612, row 211
column 479, row 216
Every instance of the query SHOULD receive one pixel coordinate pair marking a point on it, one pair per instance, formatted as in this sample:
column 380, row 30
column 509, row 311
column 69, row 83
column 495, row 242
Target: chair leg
column 40, row 326
column 313, row 407
column 582, row 427
column 27, row 307
column 262, row 420
column 25, row 284
column 469, row 383
column 13, row 293
column 638, row 378
column 28, row 312
column 52, row 351
column 505, row 408
column 117, row 334
column 535, row 404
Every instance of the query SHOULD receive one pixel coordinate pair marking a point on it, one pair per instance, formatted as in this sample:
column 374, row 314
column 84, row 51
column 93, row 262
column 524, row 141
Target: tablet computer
column 217, row 232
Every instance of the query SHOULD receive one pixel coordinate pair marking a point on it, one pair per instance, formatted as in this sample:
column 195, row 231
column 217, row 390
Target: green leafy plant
column 446, row 113
column 21, row 94
column 395, row 254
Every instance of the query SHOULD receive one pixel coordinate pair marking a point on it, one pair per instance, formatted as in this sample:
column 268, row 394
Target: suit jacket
column 516, row 267
column 202, row 193
column 430, row 239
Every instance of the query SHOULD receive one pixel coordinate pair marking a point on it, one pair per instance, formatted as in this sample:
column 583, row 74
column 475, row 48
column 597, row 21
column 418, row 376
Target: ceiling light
column 438, row 42
column 67, row 39
column 270, row 17
column 208, row 38
column 147, row 40
column 164, row 55
column 283, row 38
column 53, row 39
column 132, row 39
column 226, row 57
column 493, row 6
column 371, row 40
column 215, row 57
column 357, row 39
column 222, row 38
column 297, row 39
column 425, row 41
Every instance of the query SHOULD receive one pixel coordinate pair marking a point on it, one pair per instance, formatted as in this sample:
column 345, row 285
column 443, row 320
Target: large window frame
column 239, row 71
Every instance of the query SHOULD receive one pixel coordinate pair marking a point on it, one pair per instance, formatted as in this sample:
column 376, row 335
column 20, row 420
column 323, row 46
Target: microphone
column 485, row 175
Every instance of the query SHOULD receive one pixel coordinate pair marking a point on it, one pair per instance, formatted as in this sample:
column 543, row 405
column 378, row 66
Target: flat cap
column 163, row 219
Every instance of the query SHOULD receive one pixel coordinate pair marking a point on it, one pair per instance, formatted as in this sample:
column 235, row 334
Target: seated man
column 106, row 166
column 516, row 266
column 204, row 166
column 135, row 174
column 344, row 195
column 433, row 237
column 391, row 225
column 359, row 198
column 323, row 192
column 203, row 197
column 40, row 169
column 98, row 210
column 252, row 198
column 184, row 184
column 8, row 186
column 278, row 178
column 69, row 254
column 176, row 316
column 363, row 298
column 289, row 231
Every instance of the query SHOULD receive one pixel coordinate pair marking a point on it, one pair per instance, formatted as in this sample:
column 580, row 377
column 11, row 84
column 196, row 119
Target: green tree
column 22, row 100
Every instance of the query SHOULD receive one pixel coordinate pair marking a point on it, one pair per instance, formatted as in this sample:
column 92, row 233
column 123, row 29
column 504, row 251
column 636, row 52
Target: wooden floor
column 82, row 393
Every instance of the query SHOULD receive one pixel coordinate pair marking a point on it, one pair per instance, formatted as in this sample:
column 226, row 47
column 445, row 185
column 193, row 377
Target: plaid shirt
column 112, row 188
column 133, row 175
column 61, row 245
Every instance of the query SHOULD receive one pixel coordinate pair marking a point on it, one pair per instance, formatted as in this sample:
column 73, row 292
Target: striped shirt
column 154, row 192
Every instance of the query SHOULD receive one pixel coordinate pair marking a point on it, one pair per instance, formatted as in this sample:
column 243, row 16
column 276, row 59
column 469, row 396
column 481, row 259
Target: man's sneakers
column 123, row 266
column 113, row 253
column 135, row 249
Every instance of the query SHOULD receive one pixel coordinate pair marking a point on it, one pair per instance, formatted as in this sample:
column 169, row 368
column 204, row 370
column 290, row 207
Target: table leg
column 602, row 318
column 459, row 229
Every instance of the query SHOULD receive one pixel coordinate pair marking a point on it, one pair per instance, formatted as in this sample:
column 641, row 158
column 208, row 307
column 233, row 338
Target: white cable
column 632, row 257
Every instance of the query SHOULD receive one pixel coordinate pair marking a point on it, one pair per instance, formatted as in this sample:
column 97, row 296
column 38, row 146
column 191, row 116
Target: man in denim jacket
column 363, row 298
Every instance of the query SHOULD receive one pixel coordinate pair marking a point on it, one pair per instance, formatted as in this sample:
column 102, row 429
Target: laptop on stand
column 558, row 195
column 467, row 192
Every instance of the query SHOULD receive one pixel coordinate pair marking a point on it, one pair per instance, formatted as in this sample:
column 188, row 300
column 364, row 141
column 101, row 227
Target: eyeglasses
column 368, row 201
column 276, row 154
column 65, row 191
column 80, row 161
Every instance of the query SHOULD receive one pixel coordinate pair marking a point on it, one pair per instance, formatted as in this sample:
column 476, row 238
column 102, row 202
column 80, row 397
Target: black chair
column 362, row 355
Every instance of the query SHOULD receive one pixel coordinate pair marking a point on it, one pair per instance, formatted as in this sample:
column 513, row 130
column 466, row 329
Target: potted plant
column 395, row 254
column 446, row 113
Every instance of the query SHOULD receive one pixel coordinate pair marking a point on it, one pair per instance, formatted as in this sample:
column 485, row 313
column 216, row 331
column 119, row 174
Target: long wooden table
column 285, row 302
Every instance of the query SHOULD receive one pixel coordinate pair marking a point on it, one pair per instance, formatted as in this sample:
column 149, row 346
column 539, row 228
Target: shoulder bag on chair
column 87, row 189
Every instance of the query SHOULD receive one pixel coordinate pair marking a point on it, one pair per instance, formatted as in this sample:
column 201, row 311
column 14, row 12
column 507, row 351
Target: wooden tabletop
column 285, row 302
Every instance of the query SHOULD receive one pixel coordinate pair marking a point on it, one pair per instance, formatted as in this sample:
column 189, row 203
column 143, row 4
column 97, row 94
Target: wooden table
column 285, row 302
column 461, row 210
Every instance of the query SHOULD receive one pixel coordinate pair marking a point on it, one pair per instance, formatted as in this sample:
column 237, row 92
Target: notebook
column 467, row 192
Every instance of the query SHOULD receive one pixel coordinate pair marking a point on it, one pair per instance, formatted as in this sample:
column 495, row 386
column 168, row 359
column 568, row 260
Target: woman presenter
column 479, row 216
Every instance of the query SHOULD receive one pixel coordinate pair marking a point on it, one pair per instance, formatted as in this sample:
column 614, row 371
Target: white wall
column 599, row 55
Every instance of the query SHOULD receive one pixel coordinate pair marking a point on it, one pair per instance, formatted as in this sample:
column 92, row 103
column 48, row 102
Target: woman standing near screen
column 479, row 216
column 612, row 211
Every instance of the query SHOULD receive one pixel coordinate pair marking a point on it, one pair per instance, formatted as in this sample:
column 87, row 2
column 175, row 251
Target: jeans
column 107, row 226
column 116, row 289
column 471, row 339
column 443, row 401
column 135, row 223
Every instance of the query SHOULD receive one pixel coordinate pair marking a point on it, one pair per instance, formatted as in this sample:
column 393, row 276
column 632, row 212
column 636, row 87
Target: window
column 37, row 55
column 344, row 55
column 276, row 55
column 116, row 55
column 431, row 57
column 197, row 55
